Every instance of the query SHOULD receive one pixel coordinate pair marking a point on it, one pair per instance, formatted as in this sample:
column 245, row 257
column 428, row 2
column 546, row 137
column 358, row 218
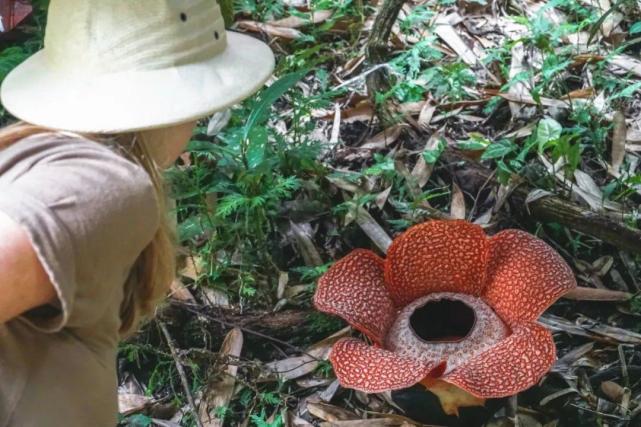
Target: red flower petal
column 353, row 289
column 525, row 276
column 513, row 365
column 374, row 370
column 436, row 256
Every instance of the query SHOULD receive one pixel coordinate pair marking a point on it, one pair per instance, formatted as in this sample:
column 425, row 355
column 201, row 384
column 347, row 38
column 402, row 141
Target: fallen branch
column 551, row 208
column 377, row 53
column 590, row 328
column 266, row 325
column 181, row 373
column 581, row 293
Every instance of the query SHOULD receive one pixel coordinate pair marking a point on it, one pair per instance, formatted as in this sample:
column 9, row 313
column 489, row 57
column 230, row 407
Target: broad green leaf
column 476, row 142
column 547, row 130
column 139, row 420
column 257, row 143
column 10, row 58
column 432, row 156
column 192, row 227
column 498, row 149
column 627, row 92
column 196, row 145
column 267, row 98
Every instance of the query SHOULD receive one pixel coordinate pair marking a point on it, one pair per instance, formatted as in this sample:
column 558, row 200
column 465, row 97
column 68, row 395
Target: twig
column 181, row 372
column 244, row 329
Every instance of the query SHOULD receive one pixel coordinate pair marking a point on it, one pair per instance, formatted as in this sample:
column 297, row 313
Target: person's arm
column 24, row 284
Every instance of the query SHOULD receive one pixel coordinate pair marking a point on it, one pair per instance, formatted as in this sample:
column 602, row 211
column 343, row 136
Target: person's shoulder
column 71, row 148
column 65, row 144
column 69, row 156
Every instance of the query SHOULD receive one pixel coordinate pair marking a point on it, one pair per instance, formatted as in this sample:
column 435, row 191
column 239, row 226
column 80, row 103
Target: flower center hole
column 443, row 320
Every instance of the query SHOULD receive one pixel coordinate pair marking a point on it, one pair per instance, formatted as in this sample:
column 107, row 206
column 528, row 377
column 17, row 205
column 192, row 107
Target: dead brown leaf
column 613, row 390
column 331, row 413
column 457, row 206
column 373, row 230
column 131, row 403
column 297, row 366
column 221, row 390
column 272, row 30
column 180, row 292
column 618, row 143
column 315, row 17
column 384, row 138
column 581, row 293
column 305, row 244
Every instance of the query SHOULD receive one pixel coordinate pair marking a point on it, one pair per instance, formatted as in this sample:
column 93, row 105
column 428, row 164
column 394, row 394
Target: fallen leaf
column 618, row 143
column 218, row 122
column 627, row 63
column 384, row 138
column 193, row 265
column 453, row 40
column 457, row 207
column 452, row 398
column 297, row 366
column 313, row 17
column 361, row 112
column 331, row 413
column 180, row 292
column 328, row 394
column 220, row 391
column 587, row 184
column 426, row 114
column 272, row 30
column 215, row 297
column 305, row 244
column 582, row 293
column 518, row 89
column 422, row 170
column 585, row 327
column 130, row 403
column 613, row 390
column 373, row 230
column 283, row 279
column 381, row 198
column 336, row 126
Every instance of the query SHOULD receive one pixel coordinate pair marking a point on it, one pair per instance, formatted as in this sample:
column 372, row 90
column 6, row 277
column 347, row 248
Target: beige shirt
column 89, row 213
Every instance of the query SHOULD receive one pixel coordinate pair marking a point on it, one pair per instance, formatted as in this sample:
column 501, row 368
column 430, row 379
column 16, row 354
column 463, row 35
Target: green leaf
column 547, row 130
column 267, row 98
column 383, row 164
column 192, row 227
column 230, row 204
column 139, row 420
column 476, row 142
column 627, row 92
column 10, row 58
column 498, row 150
column 635, row 28
column 201, row 146
column 256, row 149
column 503, row 172
column 432, row 156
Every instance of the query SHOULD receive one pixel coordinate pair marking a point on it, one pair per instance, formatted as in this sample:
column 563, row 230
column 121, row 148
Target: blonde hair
column 151, row 276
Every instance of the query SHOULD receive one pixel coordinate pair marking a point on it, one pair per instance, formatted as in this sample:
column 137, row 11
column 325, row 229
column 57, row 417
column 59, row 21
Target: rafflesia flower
column 448, row 303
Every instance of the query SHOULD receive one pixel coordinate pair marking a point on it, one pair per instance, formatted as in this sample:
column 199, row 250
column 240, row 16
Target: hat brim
column 40, row 94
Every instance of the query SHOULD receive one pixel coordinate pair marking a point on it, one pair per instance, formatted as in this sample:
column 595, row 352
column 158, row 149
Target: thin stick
column 244, row 329
column 181, row 372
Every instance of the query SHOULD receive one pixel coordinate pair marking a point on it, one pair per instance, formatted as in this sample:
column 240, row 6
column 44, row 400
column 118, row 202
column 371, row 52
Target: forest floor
column 510, row 114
